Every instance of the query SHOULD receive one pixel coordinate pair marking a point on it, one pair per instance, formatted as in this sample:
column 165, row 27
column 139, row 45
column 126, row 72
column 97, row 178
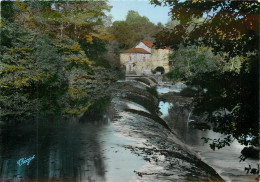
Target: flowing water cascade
column 128, row 142
column 179, row 118
column 167, row 158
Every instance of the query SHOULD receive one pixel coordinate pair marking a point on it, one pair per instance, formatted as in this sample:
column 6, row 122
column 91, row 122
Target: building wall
column 136, row 63
column 160, row 58
column 143, row 46
column 143, row 63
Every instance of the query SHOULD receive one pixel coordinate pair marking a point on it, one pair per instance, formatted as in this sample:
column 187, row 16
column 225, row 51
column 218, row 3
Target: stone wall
column 160, row 58
column 136, row 63
column 139, row 64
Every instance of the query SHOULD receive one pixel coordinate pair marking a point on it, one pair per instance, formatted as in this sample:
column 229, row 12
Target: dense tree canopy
column 231, row 29
column 189, row 61
column 50, row 65
column 135, row 28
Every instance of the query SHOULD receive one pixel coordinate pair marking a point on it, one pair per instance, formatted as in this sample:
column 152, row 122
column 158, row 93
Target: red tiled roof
column 165, row 47
column 148, row 43
column 151, row 45
column 136, row 50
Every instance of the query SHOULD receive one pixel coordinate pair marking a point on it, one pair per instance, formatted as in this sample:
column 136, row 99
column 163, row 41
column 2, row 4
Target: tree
column 231, row 29
column 134, row 29
column 7, row 10
column 124, row 34
column 226, row 25
column 68, row 19
column 44, row 72
column 190, row 61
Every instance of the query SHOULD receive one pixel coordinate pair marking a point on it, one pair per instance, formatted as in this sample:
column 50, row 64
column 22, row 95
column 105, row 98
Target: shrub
column 174, row 74
column 101, row 62
column 188, row 92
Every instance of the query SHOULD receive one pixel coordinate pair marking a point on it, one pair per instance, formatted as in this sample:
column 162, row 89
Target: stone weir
column 167, row 158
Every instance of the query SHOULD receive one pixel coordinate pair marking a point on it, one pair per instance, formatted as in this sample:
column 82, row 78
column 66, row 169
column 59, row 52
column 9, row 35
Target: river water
column 225, row 161
column 117, row 147
column 66, row 150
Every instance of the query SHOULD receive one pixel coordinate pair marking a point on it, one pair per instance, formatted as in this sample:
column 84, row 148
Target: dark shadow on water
column 64, row 149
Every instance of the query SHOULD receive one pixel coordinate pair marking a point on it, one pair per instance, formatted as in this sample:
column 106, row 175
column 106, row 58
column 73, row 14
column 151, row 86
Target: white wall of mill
column 138, row 63
column 143, row 46
column 160, row 58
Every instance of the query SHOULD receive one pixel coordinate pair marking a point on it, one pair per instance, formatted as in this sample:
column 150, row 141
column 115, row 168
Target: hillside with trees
column 135, row 28
column 54, row 63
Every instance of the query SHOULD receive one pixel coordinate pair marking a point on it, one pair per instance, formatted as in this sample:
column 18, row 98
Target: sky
column 143, row 7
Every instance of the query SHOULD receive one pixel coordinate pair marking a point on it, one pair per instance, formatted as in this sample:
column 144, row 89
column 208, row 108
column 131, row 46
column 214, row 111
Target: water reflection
column 66, row 149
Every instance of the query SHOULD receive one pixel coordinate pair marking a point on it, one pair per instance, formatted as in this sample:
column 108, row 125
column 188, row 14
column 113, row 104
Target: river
column 225, row 161
column 67, row 150
column 129, row 142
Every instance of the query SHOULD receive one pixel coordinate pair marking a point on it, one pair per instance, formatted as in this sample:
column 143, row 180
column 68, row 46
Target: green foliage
column 71, row 20
column 79, row 63
column 230, row 101
column 189, row 61
column 47, row 57
column 79, row 111
column 7, row 10
column 124, row 34
column 218, row 143
column 188, row 92
column 134, row 29
column 102, row 62
column 97, row 108
column 175, row 74
column 100, row 104
column 7, row 33
column 133, row 17
column 228, row 96
column 234, row 23
column 95, row 51
column 33, row 68
column 44, row 69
